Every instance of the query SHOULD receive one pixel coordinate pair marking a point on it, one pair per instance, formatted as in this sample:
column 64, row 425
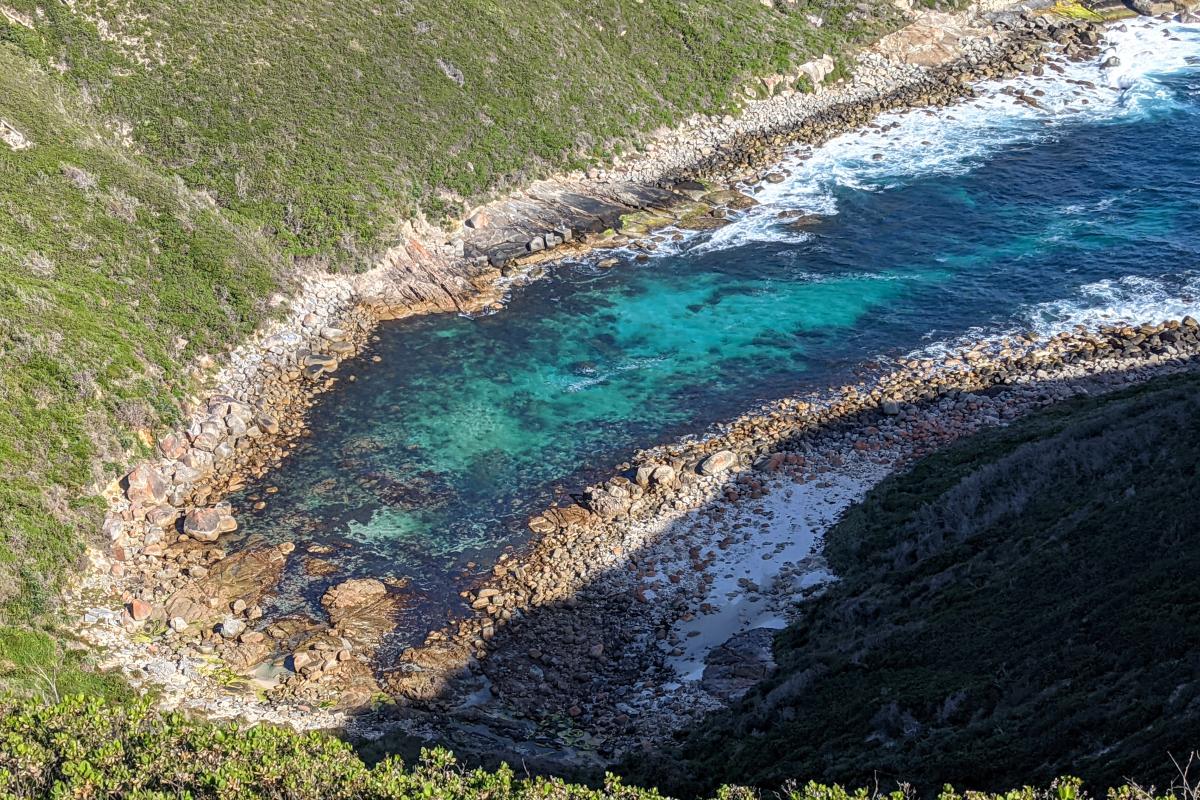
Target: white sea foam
column 954, row 140
column 1129, row 300
column 1125, row 300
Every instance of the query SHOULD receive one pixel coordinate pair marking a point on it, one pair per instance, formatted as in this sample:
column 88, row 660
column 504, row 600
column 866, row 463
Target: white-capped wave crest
column 904, row 145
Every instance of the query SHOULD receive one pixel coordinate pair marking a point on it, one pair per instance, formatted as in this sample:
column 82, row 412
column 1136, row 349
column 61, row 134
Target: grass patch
column 37, row 664
column 326, row 122
column 1072, row 9
column 113, row 276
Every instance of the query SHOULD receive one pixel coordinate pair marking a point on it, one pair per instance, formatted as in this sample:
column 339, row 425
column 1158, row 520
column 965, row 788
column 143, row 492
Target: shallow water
column 971, row 221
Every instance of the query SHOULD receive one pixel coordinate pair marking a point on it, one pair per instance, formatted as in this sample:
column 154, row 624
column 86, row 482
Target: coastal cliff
column 198, row 249
column 257, row 410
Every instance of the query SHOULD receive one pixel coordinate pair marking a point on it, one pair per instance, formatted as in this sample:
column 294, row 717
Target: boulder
column 139, row 611
column 236, row 426
column 173, row 446
column 564, row 517
column 643, row 475
column 362, row 610
column 208, row 437
column 321, row 360
column 162, row 516
column 334, row 334
column 351, row 594
column 1144, row 7
column 664, row 475
column 231, row 627
column 245, row 656
column 573, row 514
column 542, row 524
column 817, row 71
column 607, row 505
column 739, row 664
column 719, row 462
column 203, row 524
column 303, row 658
column 145, row 486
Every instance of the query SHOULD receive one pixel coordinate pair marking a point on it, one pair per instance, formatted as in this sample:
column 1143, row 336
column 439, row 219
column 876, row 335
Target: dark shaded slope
column 1022, row 605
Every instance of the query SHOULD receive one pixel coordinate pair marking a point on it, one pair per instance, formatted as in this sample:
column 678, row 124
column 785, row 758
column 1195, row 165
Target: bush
column 89, row 748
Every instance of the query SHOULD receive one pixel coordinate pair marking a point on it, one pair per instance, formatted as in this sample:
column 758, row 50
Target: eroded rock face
column 560, row 517
column 362, row 611
column 344, row 598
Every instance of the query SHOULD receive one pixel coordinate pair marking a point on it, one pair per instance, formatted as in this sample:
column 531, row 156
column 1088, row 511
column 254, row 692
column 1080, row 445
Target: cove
column 933, row 227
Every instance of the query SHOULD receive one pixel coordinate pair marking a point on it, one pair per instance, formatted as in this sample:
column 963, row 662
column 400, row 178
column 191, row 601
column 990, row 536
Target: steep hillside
column 1021, row 604
column 113, row 276
column 326, row 122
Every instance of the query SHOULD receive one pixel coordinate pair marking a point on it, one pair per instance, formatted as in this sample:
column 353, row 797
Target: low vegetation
column 112, row 278
column 90, row 748
column 1023, row 603
column 326, row 122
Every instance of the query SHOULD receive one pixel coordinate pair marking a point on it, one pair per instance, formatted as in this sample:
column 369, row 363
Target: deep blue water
column 981, row 219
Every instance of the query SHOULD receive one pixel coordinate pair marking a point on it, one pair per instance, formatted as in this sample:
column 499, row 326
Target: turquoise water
column 981, row 219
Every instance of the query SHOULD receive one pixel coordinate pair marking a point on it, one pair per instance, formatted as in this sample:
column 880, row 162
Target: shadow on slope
column 987, row 630
column 1023, row 603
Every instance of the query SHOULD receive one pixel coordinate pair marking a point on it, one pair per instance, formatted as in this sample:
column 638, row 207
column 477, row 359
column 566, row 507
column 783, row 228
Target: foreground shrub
column 90, row 748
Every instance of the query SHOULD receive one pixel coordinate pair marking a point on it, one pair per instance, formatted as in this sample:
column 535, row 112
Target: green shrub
column 89, row 748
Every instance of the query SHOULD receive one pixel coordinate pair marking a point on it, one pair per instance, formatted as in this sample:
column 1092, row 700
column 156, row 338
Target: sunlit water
column 983, row 218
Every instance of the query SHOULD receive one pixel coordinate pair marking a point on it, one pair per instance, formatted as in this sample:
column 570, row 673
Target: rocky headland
column 574, row 636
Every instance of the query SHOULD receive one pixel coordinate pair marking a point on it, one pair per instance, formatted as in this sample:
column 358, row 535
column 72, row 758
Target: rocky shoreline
column 192, row 622
column 593, row 619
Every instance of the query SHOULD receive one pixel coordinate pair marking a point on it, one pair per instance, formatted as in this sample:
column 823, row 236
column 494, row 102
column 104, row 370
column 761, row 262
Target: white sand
column 758, row 579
